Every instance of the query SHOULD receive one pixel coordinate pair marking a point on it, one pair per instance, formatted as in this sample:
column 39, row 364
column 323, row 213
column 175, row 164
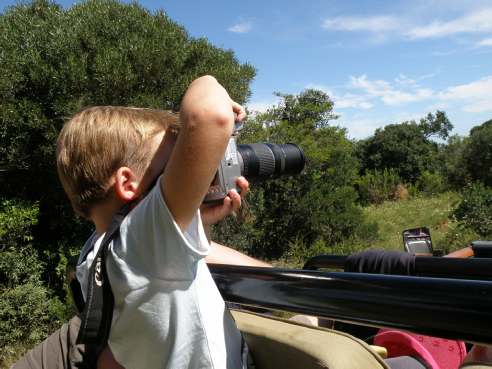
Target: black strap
column 98, row 310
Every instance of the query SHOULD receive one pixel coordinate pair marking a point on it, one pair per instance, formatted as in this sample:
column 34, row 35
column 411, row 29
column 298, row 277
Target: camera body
column 255, row 161
column 228, row 171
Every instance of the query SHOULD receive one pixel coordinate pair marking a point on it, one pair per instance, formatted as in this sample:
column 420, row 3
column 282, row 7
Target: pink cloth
column 437, row 353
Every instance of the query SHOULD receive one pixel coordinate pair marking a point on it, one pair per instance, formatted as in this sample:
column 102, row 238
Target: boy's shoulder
column 87, row 248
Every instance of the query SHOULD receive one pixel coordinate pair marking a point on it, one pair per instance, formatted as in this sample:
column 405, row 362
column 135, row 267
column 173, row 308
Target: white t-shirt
column 168, row 312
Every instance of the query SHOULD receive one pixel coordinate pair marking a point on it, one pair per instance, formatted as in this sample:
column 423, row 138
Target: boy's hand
column 238, row 110
column 212, row 214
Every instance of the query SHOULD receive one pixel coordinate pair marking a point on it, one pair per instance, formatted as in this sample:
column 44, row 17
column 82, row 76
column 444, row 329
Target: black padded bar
column 450, row 308
column 472, row 268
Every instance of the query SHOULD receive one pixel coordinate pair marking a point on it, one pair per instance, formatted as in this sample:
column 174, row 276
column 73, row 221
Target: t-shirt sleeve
column 152, row 246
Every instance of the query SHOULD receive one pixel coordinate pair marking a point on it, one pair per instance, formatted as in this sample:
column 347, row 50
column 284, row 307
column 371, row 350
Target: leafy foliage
column 26, row 306
column 377, row 186
column 453, row 162
column 475, row 210
column 430, row 183
column 477, row 154
column 24, row 315
column 405, row 147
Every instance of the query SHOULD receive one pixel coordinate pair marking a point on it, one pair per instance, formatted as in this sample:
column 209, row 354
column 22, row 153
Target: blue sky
column 381, row 61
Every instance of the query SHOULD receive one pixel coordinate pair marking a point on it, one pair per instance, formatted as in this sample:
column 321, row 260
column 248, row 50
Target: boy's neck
column 102, row 215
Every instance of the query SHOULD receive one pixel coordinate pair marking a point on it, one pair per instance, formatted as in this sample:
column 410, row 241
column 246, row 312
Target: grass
column 392, row 217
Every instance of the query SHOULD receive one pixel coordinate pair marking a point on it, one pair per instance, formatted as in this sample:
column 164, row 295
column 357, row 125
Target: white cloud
column 389, row 94
column 371, row 24
column 475, row 22
column 242, row 27
column 262, row 106
column 486, row 42
column 444, row 53
column 352, row 101
column 404, row 80
column 476, row 96
column 410, row 27
column 363, row 94
column 344, row 101
column 359, row 127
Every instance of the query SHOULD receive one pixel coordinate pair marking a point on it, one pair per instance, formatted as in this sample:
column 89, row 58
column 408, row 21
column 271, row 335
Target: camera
column 256, row 161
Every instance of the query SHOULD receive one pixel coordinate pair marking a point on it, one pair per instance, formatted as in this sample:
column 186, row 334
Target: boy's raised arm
column 207, row 117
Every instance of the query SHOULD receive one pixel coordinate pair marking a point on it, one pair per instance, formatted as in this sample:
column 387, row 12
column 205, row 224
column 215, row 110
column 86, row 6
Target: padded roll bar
column 473, row 268
column 449, row 308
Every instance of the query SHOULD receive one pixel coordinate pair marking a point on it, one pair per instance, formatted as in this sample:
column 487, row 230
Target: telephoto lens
column 260, row 161
column 256, row 162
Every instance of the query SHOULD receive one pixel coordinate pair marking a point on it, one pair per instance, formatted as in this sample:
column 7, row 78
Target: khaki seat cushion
column 280, row 344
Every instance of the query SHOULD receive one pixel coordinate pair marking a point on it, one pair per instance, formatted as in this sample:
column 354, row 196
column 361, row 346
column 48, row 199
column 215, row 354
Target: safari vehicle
column 447, row 305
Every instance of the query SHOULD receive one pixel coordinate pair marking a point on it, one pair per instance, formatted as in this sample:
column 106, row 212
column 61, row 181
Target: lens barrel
column 267, row 160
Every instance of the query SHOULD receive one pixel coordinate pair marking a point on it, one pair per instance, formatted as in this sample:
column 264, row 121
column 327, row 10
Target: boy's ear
column 126, row 184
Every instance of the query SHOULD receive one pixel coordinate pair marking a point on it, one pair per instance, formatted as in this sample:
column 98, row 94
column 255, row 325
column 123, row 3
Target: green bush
column 377, row 186
column 456, row 237
column 475, row 210
column 17, row 219
column 24, row 314
column 430, row 183
column 28, row 311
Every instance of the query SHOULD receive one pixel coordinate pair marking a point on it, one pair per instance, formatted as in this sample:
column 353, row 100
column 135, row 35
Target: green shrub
column 475, row 210
column 377, row 186
column 456, row 237
column 430, row 183
column 16, row 221
column 28, row 311
column 24, row 314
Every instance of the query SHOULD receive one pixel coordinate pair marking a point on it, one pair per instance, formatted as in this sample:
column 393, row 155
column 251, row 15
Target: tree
column 477, row 155
column 317, row 205
column 453, row 161
column 405, row 147
column 54, row 61
column 436, row 125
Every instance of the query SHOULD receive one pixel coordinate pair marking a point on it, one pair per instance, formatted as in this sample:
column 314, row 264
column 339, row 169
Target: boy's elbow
column 224, row 119
column 215, row 118
column 206, row 78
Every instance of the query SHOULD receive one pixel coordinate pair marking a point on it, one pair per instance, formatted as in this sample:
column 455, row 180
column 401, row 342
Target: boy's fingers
column 239, row 110
column 243, row 185
column 235, row 200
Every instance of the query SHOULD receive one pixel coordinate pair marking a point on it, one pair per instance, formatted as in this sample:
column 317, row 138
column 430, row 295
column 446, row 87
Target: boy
column 168, row 312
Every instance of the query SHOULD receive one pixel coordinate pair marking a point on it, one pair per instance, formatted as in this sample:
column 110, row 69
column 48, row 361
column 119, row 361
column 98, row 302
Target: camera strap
column 97, row 312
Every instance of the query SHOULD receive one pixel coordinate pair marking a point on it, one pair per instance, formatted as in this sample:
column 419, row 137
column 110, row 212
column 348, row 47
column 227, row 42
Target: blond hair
column 99, row 140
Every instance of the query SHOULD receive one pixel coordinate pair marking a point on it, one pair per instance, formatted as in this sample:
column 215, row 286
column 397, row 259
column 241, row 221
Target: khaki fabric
column 58, row 351
column 276, row 343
